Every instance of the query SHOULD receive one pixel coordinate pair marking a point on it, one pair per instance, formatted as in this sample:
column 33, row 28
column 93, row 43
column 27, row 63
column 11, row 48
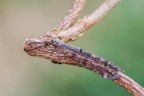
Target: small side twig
column 67, row 21
column 72, row 15
column 77, row 30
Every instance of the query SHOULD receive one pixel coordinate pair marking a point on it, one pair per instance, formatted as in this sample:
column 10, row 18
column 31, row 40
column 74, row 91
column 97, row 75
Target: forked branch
column 67, row 21
column 51, row 46
column 87, row 22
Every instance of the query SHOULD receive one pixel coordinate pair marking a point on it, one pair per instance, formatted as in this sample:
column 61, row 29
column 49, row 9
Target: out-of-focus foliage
column 119, row 37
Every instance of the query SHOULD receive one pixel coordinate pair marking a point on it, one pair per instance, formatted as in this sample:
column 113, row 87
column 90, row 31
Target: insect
column 60, row 52
column 88, row 60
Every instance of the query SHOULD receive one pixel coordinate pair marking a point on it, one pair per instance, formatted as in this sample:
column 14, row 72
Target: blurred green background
column 119, row 37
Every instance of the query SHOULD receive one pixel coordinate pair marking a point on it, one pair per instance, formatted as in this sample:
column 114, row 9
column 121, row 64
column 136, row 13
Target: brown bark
column 50, row 47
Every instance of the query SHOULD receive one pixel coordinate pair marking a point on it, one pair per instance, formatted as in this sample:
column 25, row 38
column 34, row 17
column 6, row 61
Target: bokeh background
column 119, row 37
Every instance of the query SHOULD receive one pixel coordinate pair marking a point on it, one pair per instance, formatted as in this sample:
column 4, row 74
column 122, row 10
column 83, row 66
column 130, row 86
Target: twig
column 72, row 15
column 77, row 30
column 67, row 21
column 130, row 85
column 48, row 47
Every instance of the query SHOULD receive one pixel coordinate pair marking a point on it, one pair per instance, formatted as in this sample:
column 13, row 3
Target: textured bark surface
column 50, row 47
column 62, row 53
column 67, row 21
column 130, row 85
column 59, row 52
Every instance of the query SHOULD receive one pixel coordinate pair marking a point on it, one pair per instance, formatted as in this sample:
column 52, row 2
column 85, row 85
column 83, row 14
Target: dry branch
column 129, row 84
column 88, row 21
column 67, row 21
column 62, row 53
column 50, row 47
column 72, row 15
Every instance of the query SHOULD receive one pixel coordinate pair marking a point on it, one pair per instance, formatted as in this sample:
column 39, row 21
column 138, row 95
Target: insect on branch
column 52, row 46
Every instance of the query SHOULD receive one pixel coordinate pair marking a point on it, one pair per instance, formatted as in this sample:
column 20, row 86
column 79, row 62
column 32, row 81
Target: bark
column 52, row 46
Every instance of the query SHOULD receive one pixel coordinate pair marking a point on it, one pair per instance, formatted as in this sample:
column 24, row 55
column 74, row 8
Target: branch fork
column 52, row 46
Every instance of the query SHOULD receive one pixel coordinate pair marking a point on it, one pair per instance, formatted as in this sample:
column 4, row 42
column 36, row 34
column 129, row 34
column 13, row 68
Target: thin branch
column 129, row 84
column 72, row 15
column 68, row 20
column 76, row 31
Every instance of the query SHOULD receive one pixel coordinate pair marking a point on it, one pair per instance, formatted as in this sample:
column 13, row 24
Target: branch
column 51, row 46
column 62, row 53
column 130, row 85
column 72, row 15
column 67, row 21
column 88, row 21
column 76, row 31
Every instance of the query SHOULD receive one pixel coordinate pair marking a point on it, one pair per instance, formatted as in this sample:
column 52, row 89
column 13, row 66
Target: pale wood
column 87, row 22
column 130, row 85
column 67, row 21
